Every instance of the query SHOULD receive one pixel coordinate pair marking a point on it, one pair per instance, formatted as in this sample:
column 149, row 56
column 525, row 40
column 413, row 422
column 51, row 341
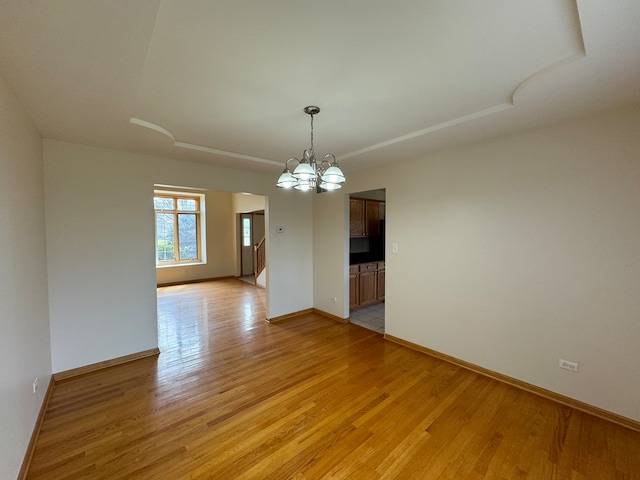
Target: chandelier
column 308, row 174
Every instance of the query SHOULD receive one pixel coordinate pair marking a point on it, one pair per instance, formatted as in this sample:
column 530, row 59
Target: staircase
column 260, row 260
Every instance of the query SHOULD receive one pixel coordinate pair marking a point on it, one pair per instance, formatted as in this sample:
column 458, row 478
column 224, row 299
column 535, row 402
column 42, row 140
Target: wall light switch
column 394, row 248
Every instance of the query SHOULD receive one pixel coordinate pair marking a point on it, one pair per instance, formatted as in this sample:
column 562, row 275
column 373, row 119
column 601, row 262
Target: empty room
column 202, row 202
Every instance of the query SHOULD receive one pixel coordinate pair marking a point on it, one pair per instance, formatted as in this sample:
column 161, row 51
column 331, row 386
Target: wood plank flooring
column 233, row 397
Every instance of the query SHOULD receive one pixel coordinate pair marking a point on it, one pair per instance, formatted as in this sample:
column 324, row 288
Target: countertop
column 357, row 258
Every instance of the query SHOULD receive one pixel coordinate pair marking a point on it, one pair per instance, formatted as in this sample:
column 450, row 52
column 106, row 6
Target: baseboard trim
column 197, row 280
column 548, row 394
column 289, row 316
column 26, row 463
column 57, row 377
column 74, row 372
column 331, row 316
column 306, row 311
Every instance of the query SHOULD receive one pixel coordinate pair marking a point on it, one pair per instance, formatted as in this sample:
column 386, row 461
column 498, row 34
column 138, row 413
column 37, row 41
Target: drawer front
column 368, row 267
column 354, row 269
column 380, row 265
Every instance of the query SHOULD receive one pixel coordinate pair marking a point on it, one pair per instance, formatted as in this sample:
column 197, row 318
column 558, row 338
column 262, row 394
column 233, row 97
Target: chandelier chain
column 312, row 151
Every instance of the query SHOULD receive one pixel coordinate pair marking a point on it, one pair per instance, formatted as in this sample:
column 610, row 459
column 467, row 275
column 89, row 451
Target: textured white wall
column 100, row 233
column 518, row 251
column 24, row 320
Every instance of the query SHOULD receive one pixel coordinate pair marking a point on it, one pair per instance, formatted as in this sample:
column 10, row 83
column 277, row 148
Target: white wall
column 100, row 238
column 219, row 220
column 519, row 251
column 331, row 252
column 290, row 252
column 100, row 248
column 243, row 203
column 24, row 321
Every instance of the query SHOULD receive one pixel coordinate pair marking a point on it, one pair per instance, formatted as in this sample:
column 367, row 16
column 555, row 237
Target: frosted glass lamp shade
column 330, row 186
column 286, row 180
column 303, row 185
column 304, row 171
column 333, row 175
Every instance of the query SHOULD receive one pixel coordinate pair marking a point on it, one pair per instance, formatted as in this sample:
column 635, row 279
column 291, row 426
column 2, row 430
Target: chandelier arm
column 292, row 158
column 324, row 164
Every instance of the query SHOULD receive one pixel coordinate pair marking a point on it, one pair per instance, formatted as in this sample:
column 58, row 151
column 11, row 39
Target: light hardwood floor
column 233, row 397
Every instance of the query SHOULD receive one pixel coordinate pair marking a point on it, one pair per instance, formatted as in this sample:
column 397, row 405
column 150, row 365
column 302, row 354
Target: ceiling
column 225, row 82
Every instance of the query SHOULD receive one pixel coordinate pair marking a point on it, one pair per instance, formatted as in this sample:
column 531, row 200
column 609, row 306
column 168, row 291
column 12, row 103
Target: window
column 179, row 220
column 246, row 232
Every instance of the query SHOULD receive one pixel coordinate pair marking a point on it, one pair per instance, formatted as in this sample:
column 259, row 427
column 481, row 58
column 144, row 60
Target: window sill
column 173, row 265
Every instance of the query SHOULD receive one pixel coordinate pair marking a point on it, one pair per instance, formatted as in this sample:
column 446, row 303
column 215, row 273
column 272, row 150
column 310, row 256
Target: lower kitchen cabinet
column 366, row 284
column 380, row 285
column 354, row 295
column 368, row 288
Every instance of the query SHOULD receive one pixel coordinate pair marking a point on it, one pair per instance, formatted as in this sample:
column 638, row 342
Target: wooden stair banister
column 260, row 257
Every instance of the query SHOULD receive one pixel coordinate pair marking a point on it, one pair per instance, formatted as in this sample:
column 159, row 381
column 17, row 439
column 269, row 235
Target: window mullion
column 176, row 248
column 198, row 240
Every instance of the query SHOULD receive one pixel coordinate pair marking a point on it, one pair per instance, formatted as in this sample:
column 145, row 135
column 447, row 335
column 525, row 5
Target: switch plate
column 394, row 248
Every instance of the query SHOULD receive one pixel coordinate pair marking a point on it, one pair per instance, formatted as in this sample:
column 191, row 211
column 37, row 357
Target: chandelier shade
column 304, row 171
column 308, row 174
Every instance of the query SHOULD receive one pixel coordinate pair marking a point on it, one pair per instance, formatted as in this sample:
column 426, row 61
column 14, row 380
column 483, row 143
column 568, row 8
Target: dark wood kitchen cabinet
column 354, row 295
column 364, row 217
column 372, row 218
column 366, row 284
column 380, row 282
column 356, row 217
column 368, row 287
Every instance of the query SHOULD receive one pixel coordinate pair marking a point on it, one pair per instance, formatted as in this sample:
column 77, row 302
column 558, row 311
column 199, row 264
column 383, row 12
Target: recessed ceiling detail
column 425, row 131
column 224, row 81
column 199, row 148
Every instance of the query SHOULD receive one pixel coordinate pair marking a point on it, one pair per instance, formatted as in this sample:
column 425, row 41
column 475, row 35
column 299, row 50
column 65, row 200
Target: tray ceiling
column 225, row 82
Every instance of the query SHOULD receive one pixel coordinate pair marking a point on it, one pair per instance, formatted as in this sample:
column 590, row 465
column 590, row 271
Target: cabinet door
column 380, row 286
column 356, row 218
column 368, row 288
column 354, row 295
column 372, row 214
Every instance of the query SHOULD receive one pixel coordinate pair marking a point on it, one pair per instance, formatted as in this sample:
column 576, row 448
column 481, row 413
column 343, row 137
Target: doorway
column 367, row 231
column 252, row 231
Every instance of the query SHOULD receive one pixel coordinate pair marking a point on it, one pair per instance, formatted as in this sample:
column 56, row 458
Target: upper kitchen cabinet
column 364, row 217
column 356, row 217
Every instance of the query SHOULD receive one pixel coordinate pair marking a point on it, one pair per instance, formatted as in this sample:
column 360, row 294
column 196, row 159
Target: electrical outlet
column 35, row 385
column 571, row 366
